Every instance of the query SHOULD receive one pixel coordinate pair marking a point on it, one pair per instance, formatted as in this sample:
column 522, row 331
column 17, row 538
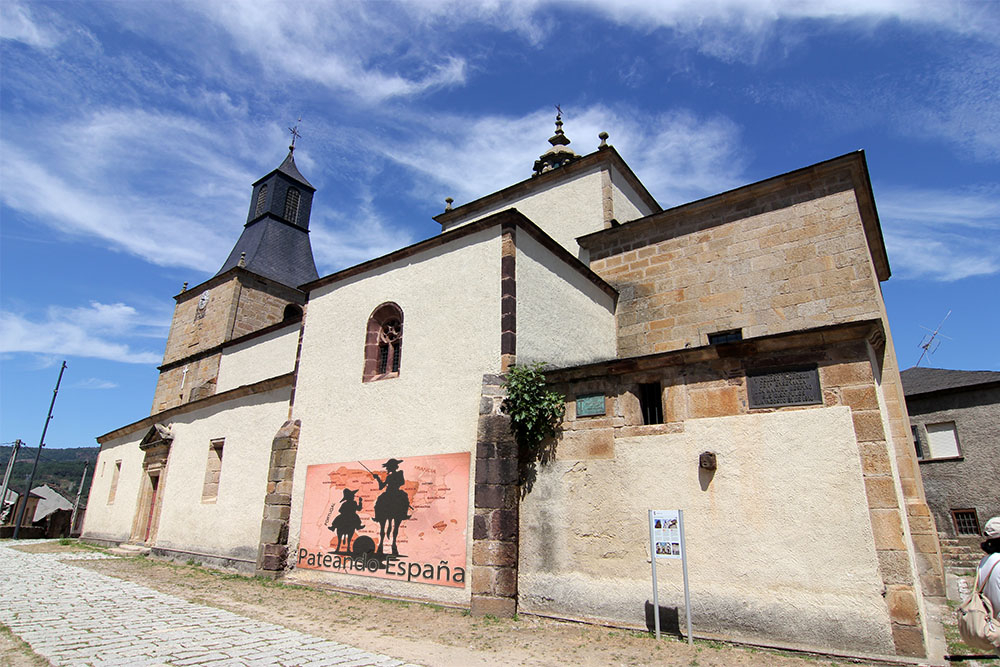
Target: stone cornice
column 743, row 202
column 746, row 349
column 164, row 417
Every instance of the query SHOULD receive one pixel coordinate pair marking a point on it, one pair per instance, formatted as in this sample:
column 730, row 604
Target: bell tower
column 256, row 288
column 275, row 240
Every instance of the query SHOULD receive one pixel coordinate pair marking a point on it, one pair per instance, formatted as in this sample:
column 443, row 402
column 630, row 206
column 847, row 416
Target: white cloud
column 963, row 107
column 156, row 186
column 678, row 155
column 17, row 24
column 347, row 242
column 371, row 51
column 942, row 235
column 714, row 26
column 96, row 383
column 96, row 331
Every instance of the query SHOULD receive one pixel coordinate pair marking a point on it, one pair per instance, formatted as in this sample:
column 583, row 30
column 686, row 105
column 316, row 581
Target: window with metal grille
column 292, row 205
column 731, row 336
column 966, row 521
column 651, row 403
column 261, row 200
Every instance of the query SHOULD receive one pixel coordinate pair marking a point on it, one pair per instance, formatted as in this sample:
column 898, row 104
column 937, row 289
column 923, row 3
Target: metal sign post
column 666, row 540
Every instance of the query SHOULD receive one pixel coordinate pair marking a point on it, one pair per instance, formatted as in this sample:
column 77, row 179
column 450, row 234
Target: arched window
column 261, row 200
column 292, row 205
column 292, row 312
column 383, row 343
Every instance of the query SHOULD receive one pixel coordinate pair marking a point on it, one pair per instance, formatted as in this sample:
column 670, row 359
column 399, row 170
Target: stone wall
column 261, row 303
column 185, row 382
column 495, row 522
column 795, row 267
column 237, row 303
column 710, row 383
column 969, row 482
column 272, row 554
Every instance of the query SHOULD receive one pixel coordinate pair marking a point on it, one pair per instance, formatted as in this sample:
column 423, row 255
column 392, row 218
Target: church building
column 730, row 357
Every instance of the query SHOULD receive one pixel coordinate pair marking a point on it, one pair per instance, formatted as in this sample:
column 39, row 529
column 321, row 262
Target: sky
column 130, row 134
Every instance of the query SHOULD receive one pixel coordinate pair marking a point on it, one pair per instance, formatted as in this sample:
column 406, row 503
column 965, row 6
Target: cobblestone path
column 74, row 616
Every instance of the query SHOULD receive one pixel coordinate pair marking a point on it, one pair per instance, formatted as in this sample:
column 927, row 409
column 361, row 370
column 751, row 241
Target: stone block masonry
column 787, row 269
column 224, row 308
column 272, row 553
column 711, row 381
column 495, row 522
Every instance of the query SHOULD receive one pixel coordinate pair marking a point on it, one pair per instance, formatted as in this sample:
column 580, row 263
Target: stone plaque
column 778, row 388
column 590, row 405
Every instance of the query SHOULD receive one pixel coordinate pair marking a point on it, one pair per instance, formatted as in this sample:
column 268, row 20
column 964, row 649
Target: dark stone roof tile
column 918, row 380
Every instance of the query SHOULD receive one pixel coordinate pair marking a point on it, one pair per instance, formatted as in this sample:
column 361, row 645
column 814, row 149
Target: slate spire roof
column 275, row 240
column 289, row 169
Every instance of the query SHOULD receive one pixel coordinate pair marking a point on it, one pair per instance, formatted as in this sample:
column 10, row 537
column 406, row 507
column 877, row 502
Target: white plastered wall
column 570, row 208
column 258, row 359
column 450, row 297
column 113, row 521
column 626, row 204
column 229, row 526
column 780, row 545
column 563, row 318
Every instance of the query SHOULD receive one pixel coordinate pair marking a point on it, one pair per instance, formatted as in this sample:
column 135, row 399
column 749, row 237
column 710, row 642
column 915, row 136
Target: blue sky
column 130, row 134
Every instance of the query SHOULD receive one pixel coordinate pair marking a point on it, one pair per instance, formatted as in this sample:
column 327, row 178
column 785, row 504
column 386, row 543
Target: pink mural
column 402, row 519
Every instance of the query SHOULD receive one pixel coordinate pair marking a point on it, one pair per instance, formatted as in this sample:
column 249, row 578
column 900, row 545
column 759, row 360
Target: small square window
column 729, row 336
column 942, row 440
column 651, row 403
column 966, row 521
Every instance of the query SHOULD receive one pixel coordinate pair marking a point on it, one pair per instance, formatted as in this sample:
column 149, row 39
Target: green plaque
column 590, row 405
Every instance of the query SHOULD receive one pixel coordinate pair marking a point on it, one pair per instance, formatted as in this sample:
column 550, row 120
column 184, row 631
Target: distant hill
column 58, row 468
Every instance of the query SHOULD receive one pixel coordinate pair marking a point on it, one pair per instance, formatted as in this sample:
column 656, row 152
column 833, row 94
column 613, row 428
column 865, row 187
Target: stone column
column 272, row 553
column 497, row 496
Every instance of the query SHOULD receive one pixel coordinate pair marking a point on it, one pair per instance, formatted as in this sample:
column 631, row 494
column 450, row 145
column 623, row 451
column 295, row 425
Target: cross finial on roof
column 295, row 134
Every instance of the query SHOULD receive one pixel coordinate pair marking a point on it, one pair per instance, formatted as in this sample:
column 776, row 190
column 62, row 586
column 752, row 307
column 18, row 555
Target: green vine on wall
column 534, row 413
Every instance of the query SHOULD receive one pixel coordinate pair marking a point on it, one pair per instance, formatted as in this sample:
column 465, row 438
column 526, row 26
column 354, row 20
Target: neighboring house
column 955, row 417
column 347, row 431
column 46, row 515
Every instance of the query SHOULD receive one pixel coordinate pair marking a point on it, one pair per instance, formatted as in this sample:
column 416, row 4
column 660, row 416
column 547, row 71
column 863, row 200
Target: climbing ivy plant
column 534, row 412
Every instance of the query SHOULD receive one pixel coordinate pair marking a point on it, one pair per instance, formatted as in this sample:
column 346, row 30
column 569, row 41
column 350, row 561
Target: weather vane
column 295, row 133
column 559, row 110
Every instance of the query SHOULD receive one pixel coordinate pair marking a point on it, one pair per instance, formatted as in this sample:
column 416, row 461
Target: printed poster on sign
column 403, row 519
column 666, row 534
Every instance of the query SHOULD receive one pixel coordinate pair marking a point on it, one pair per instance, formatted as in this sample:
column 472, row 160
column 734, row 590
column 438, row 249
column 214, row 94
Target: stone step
column 126, row 549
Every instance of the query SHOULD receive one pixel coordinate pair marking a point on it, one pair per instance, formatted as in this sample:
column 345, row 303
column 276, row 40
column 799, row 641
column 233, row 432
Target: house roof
column 926, row 380
column 50, row 501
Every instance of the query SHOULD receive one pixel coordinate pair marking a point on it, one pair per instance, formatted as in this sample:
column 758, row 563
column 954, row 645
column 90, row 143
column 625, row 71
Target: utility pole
column 76, row 505
column 6, row 478
column 41, row 443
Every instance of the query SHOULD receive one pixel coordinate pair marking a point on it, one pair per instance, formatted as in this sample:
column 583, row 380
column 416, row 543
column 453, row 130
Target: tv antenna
column 929, row 343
